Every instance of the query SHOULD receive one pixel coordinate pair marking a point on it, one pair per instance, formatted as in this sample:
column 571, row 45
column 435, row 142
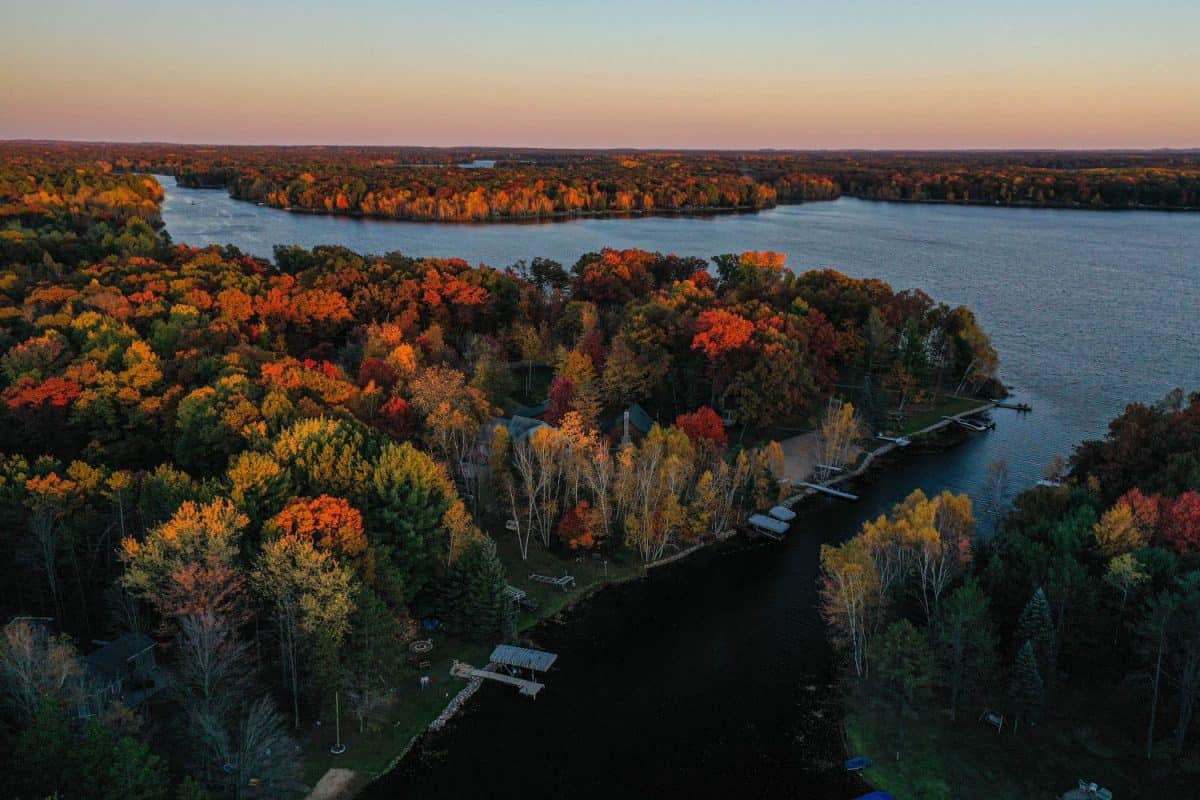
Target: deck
column 526, row 687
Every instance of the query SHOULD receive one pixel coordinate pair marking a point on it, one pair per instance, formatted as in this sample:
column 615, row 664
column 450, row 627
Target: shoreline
column 464, row 695
column 885, row 449
column 684, row 213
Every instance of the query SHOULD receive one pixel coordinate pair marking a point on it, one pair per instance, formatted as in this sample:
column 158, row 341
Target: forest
column 1077, row 626
column 430, row 184
column 273, row 475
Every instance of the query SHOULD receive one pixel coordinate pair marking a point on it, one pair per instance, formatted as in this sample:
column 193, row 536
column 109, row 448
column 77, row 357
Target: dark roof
column 520, row 427
column 639, row 420
column 111, row 659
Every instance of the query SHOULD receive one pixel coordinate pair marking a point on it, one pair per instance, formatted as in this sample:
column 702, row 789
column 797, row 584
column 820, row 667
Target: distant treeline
column 428, row 183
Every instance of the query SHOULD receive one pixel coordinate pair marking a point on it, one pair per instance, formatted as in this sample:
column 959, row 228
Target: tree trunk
column 1154, row 700
column 1187, row 699
column 295, row 694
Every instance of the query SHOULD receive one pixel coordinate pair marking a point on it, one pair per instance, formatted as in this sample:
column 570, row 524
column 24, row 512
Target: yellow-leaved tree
column 850, row 598
column 311, row 597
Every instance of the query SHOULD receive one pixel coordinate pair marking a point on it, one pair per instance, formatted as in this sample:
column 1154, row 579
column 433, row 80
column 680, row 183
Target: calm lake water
column 712, row 675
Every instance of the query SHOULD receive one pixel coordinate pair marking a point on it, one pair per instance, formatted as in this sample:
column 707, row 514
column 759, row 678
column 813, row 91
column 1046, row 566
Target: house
column 624, row 426
column 122, row 669
column 521, row 427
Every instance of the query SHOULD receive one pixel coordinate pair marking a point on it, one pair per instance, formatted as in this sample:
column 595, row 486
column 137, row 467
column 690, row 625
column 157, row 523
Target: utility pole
column 338, row 748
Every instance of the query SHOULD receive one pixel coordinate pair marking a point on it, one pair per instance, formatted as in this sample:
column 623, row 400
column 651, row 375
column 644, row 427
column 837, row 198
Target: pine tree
column 964, row 641
column 902, row 671
column 471, row 598
column 1036, row 626
column 1027, row 687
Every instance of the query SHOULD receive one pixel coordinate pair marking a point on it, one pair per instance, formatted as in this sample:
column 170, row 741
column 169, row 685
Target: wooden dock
column 817, row 487
column 528, row 688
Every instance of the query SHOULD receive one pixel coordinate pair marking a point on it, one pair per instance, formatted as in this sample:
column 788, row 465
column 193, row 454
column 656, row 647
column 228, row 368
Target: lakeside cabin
column 123, row 669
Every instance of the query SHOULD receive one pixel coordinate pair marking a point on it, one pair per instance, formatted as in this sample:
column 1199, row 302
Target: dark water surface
column 697, row 680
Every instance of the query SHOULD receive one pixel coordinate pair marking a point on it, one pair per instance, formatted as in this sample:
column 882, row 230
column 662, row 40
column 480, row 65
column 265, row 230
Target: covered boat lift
column 506, row 662
column 782, row 513
column 507, row 655
column 768, row 526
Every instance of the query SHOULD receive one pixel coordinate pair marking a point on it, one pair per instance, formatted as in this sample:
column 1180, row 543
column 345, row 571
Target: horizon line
column 617, row 148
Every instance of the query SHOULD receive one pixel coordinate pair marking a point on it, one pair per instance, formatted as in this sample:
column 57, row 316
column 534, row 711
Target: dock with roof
column 506, row 664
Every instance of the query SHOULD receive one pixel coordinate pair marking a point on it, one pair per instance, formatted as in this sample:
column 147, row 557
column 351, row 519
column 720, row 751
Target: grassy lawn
column 940, row 758
column 412, row 709
column 588, row 573
column 410, row 712
column 927, row 414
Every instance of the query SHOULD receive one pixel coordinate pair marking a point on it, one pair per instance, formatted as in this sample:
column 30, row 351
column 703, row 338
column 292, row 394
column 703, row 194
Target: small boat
column 857, row 763
column 1050, row 483
column 972, row 425
column 899, row 441
column 782, row 513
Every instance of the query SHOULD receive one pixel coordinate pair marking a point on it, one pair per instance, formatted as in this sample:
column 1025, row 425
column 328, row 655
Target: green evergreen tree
column 134, row 773
column 914, row 353
column 40, row 752
column 471, row 599
column 104, row 765
column 409, row 495
column 1027, row 687
column 1036, row 626
column 191, row 789
column 964, row 642
column 902, row 671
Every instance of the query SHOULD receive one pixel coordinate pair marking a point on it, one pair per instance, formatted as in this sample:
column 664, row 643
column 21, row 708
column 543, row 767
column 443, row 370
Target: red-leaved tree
column 703, row 426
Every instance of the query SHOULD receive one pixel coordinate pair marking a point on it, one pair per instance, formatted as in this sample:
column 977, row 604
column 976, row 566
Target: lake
column 712, row 675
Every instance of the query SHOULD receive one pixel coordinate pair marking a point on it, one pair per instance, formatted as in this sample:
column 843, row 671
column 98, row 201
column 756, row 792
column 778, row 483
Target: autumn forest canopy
column 277, row 470
column 280, row 472
column 429, row 184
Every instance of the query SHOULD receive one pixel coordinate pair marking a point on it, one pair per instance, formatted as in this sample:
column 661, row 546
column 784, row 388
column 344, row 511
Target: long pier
column 885, row 449
column 816, row 487
column 528, row 688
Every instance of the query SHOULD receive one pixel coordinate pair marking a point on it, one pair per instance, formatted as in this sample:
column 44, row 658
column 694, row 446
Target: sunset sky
column 577, row 73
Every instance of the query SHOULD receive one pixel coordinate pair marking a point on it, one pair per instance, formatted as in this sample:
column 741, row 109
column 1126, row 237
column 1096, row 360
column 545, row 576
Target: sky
column 901, row 74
